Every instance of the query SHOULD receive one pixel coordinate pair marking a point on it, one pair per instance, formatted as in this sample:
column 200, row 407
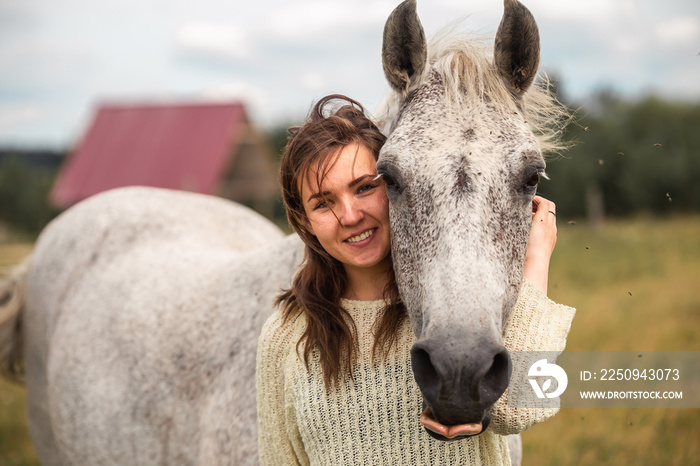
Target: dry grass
column 636, row 286
column 15, row 446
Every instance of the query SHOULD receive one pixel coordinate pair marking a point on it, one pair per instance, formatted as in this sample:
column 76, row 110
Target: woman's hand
column 540, row 245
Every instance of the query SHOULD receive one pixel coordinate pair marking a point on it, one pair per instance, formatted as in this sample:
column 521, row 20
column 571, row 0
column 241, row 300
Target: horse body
column 143, row 306
column 142, row 322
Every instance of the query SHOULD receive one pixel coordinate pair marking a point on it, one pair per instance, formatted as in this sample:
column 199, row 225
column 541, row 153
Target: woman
column 334, row 377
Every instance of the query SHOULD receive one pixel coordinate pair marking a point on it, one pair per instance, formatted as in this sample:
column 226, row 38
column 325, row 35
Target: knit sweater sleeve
column 535, row 324
column 278, row 438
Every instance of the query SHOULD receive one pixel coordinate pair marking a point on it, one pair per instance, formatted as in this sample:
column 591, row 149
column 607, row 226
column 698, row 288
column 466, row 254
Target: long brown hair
column 334, row 122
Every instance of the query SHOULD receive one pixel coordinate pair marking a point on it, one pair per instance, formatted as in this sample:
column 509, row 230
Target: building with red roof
column 208, row 148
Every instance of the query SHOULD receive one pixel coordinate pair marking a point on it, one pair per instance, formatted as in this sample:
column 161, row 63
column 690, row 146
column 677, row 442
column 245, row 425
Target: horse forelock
column 465, row 62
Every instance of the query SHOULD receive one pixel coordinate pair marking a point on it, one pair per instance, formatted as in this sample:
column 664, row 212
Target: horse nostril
column 496, row 379
column 424, row 372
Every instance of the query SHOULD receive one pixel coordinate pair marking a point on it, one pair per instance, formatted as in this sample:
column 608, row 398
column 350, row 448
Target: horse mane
column 465, row 62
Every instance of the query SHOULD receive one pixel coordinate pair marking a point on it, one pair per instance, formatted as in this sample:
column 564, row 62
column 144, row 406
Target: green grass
column 636, row 286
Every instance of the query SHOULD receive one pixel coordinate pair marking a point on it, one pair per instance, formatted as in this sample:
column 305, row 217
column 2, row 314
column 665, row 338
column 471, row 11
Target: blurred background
column 198, row 96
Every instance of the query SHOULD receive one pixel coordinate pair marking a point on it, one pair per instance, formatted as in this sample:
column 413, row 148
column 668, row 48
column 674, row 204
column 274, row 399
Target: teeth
column 360, row 237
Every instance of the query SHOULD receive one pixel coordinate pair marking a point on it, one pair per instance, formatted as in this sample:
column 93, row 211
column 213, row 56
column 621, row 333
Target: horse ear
column 404, row 50
column 517, row 48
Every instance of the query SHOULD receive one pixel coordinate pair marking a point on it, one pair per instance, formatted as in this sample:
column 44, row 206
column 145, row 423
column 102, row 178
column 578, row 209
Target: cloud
column 598, row 11
column 251, row 94
column 13, row 115
column 34, row 121
column 215, row 39
column 302, row 20
column 677, row 31
column 312, row 81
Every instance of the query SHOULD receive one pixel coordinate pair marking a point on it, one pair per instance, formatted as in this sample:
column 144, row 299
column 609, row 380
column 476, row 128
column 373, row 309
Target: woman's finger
column 536, row 202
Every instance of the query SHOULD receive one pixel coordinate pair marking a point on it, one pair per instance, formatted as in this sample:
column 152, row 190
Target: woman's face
column 351, row 218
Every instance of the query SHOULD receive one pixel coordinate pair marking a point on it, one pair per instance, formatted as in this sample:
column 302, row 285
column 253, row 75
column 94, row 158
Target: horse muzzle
column 459, row 385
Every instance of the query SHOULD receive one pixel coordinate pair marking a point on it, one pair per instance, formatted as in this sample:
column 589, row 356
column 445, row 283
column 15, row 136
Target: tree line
column 26, row 178
column 626, row 157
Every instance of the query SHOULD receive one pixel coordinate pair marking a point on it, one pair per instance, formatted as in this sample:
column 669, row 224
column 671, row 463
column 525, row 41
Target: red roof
column 168, row 146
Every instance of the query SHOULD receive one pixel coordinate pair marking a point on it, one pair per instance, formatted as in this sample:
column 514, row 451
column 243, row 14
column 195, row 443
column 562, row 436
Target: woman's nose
column 351, row 213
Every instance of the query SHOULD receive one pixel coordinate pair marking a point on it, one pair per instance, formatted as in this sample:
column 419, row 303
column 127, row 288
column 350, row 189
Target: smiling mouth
column 361, row 236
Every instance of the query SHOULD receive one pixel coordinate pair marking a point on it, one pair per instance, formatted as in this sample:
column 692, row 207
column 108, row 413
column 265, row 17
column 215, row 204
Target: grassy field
column 636, row 285
column 15, row 447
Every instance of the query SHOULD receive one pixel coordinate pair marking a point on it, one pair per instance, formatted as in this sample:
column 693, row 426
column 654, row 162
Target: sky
column 60, row 59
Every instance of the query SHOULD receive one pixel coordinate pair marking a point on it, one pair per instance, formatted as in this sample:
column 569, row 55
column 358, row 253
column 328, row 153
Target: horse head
column 461, row 166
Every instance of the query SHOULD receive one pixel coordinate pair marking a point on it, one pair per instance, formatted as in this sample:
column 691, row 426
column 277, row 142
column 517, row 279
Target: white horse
column 140, row 308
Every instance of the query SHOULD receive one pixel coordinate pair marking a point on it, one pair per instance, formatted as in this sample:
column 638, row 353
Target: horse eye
column 388, row 180
column 391, row 177
column 534, row 180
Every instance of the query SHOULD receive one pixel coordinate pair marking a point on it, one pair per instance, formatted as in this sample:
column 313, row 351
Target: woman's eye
column 365, row 188
column 320, row 205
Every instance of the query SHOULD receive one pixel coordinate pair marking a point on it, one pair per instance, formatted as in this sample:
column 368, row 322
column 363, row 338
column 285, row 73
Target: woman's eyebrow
column 318, row 195
column 360, row 179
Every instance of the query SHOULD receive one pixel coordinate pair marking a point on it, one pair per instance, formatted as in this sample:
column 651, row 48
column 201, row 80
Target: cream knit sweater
column 373, row 419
